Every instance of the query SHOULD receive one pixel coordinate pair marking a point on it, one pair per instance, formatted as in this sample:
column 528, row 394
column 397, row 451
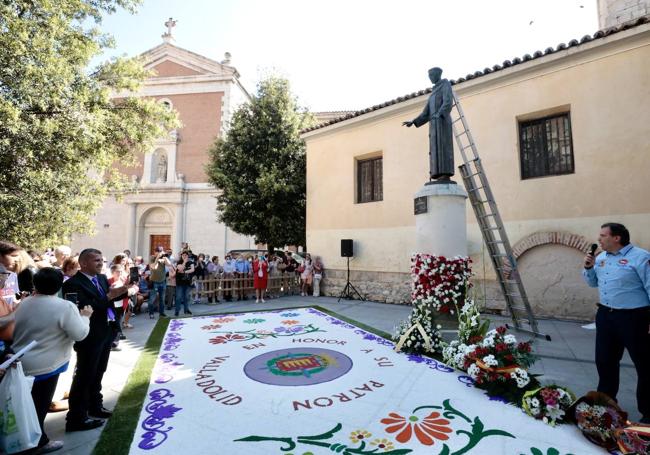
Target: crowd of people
column 84, row 302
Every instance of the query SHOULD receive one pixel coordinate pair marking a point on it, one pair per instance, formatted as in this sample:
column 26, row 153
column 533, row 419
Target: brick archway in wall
column 550, row 265
column 576, row 241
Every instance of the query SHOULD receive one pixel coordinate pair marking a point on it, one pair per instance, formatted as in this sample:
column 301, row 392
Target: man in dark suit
column 91, row 287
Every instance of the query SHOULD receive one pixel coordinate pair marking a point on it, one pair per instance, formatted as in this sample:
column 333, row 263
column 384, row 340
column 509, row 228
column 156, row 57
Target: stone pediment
column 170, row 61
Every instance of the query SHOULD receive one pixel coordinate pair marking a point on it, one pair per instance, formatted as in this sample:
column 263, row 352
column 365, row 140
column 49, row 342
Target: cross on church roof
column 167, row 36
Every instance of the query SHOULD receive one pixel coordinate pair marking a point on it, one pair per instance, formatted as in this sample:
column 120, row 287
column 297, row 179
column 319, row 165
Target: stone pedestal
column 440, row 220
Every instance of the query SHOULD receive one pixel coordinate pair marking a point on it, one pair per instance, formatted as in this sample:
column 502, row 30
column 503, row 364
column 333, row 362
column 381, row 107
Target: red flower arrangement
column 439, row 282
column 498, row 364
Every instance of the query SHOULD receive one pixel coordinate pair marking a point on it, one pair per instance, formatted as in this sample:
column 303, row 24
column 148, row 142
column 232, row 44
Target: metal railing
column 221, row 287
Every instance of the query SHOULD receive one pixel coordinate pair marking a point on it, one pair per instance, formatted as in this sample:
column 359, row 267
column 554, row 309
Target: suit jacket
column 87, row 294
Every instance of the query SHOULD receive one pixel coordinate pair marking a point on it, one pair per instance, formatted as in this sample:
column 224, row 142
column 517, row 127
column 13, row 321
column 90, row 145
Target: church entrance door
column 159, row 240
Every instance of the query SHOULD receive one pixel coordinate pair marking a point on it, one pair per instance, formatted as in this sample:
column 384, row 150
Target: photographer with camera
column 91, row 288
column 158, row 268
column 184, row 271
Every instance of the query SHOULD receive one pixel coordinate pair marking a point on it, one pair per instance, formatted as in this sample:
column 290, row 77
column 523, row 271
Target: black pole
column 349, row 290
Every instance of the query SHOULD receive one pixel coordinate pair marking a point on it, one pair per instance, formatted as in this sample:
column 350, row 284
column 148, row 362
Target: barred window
column 369, row 180
column 546, row 147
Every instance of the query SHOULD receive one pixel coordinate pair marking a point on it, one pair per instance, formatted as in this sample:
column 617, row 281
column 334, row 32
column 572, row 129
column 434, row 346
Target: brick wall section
column 544, row 238
column 200, row 114
column 171, row 69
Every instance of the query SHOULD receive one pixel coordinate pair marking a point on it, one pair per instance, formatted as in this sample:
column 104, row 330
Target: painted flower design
column 165, row 412
column 290, row 315
column 222, row 339
column 359, row 435
column 293, row 329
column 223, row 320
column 290, row 322
column 426, row 430
column 383, row 444
column 211, row 327
column 254, row 321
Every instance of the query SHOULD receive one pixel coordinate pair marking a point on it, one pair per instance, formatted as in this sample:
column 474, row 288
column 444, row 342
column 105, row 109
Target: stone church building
column 564, row 137
column 174, row 202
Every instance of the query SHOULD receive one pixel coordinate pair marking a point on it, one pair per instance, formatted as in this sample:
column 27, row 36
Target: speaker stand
column 349, row 290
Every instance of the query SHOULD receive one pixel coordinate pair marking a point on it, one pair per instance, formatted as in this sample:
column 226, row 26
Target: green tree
column 61, row 131
column 259, row 167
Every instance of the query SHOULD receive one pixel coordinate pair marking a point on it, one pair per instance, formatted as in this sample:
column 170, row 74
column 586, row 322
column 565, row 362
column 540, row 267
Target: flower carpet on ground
column 301, row 381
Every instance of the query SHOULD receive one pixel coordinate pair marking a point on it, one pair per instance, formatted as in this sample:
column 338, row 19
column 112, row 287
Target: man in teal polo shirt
column 621, row 272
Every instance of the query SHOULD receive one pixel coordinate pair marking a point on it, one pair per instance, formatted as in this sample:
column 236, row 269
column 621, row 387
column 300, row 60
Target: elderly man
column 622, row 274
column 91, row 288
column 61, row 253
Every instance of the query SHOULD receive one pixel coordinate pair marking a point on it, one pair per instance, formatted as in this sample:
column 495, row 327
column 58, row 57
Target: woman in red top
column 261, row 277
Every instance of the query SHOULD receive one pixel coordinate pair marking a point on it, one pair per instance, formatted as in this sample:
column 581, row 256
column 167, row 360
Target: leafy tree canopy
column 259, row 166
column 61, row 132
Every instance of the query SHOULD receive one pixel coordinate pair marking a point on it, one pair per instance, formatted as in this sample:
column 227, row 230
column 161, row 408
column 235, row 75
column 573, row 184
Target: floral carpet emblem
column 298, row 366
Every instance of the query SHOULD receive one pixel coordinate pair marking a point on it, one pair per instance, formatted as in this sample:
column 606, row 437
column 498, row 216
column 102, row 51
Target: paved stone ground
column 567, row 360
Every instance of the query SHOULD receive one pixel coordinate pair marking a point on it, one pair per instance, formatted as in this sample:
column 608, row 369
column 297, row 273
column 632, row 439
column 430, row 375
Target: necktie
column 99, row 288
column 111, row 313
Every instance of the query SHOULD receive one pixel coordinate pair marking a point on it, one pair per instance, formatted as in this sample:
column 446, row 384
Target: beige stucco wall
column 188, row 216
column 202, row 230
column 110, row 230
column 605, row 85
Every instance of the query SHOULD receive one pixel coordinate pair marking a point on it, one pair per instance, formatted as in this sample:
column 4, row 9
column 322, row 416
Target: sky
column 352, row 54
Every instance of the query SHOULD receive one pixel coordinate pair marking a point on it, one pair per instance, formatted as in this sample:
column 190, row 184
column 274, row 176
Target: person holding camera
column 56, row 324
column 158, row 277
column 200, row 270
column 91, row 289
column 621, row 272
column 184, row 271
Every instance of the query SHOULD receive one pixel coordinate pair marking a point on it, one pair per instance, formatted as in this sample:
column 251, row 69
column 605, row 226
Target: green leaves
column 260, row 167
column 61, row 133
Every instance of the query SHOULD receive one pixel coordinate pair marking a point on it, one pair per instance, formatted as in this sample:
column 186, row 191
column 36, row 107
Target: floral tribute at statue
column 496, row 362
column 549, row 404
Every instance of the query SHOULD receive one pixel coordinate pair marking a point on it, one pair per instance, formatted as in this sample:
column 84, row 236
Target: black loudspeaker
column 347, row 248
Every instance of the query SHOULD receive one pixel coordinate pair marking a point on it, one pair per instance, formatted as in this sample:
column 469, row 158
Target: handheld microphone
column 593, row 249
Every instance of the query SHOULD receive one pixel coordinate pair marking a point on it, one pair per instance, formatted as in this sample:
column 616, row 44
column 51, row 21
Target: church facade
column 563, row 137
column 174, row 202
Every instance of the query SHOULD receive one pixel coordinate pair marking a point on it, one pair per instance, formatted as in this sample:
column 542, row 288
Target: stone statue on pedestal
column 162, row 168
column 437, row 114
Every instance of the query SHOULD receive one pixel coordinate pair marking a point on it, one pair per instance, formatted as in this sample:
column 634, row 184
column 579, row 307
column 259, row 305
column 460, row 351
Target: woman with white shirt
column 307, row 275
column 55, row 324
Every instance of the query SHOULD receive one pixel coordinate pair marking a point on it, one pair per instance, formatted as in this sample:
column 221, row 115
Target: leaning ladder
column 491, row 225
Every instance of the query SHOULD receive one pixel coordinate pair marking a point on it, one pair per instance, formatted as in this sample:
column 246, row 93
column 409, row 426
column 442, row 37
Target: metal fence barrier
column 237, row 287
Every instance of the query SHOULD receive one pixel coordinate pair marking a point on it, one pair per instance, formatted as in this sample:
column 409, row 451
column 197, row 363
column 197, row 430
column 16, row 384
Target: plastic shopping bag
column 19, row 428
